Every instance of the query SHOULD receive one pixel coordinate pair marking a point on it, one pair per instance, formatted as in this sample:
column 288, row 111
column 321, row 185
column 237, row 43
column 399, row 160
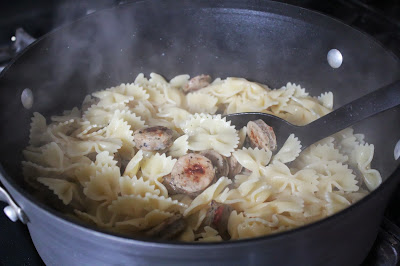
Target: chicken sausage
column 234, row 167
column 197, row 83
column 217, row 217
column 261, row 135
column 191, row 174
column 169, row 228
column 157, row 138
column 220, row 162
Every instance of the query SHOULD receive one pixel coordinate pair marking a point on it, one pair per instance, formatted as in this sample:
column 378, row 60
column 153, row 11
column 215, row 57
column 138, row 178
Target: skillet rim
column 287, row 10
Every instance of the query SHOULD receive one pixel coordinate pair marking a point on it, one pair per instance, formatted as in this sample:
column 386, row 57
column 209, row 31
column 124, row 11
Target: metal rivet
column 11, row 213
column 27, row 98
column 397, row 151
column 335, row 58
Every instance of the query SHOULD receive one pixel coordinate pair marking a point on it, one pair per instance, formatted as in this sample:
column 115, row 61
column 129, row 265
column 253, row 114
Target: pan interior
column 272, row 45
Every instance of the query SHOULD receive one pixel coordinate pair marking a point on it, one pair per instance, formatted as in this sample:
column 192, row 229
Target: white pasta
column 133, row 166
column 157, row 166
column 180, row 146
column 64, row 190
column 135, row 186
column 362, row 155
column 103, row 185
column 289, row 151
column 253, row 159
column 88, row 158
column 151, row 219
column 201, row 103
column 207, row 195
column 207, row 132
column 210, row 235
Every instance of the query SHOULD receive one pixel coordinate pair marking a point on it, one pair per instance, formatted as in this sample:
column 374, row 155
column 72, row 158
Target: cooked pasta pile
column 87, row 157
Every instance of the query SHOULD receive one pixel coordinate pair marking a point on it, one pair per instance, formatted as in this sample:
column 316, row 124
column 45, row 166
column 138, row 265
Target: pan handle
column 12, row 211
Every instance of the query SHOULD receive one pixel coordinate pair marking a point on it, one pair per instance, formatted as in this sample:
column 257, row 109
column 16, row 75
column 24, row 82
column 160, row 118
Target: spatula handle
column 353, row 112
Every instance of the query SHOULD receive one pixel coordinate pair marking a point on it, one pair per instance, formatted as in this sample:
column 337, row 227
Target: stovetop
column 22, row 22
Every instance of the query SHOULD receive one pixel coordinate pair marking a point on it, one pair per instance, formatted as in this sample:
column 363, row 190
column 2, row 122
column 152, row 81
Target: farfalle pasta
column 158, row 158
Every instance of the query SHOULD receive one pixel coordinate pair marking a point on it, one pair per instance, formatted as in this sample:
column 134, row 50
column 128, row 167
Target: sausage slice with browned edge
column 217, row 217
column 261, row 135
column 234, row 167
column 220, row 162
column 157, row 138
column 169, row 228
column 197, row 83
column 191, row 174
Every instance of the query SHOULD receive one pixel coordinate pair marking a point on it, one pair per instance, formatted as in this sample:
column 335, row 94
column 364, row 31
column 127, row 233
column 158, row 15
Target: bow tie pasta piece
column 120, row 129
column 175, row 114
column 79, row 148
column 362, row 156
column 130, row 118
column 136, row 186
column 201, row 103
column 150, row 220
column 88, row 168
column 98, row 116
column 209, row 235
column 207, row 195
column 208, row 132
column 134, row 164
column 104, row 185
column 179, row 81
column 110, row 100
column 88, row 131
column 157, row 166
column 54, row 156
column 315, row 154
column 49, row 156
column 337, row 176
column 326, row 99
column 240, row 226
column 180, row 147
column 65, row 191
column 335, row 202
column 289, row 151
column 105, row 159
column 138, row 206
column 137, row 92
column 37, row 134
column 98, row 214
column 253, row 159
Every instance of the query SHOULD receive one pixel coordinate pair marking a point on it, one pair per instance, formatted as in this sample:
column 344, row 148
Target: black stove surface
column 378, row 18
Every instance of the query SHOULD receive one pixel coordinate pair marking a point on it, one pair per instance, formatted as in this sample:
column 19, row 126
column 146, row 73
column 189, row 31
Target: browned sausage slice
column 191, row 174
column 197, row 83
column 169, row 184
column 234, row 167
column 156, row 138
column 217, row 217
column 220, row 162
column 169, row 228
column 261, row 135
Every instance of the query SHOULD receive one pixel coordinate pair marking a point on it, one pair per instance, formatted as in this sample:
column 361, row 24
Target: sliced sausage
column 234, row 167
column 167, row 181
column 156, row 138
column 169, row 228
column 220, row 162
column 197, row 83
column 261, row 135
column 217, row 217
column 191, row 174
